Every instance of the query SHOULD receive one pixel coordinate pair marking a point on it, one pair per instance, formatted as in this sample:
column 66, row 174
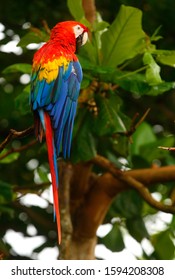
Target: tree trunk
column 77, row 243
column 89, row 9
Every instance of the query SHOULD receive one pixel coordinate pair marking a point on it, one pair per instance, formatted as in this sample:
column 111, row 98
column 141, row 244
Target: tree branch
column 144, row 192
column 18, row 150
column 79, row 184
column 90, row 10
column 133, row 183
column 35, row 188
column 134, row 125
column 167, row 148
column 13, row 134
column 65, row 174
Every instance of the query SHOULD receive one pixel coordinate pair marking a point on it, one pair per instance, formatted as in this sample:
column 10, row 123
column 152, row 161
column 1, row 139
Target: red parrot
column 55, row 85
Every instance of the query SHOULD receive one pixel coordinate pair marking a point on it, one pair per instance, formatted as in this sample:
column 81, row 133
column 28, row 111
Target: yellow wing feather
column 50, row 70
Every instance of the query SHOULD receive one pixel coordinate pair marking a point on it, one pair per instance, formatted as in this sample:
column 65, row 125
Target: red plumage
column 51, row 154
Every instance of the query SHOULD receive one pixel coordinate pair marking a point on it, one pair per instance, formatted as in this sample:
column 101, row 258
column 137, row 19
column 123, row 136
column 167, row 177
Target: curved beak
column 81, row 39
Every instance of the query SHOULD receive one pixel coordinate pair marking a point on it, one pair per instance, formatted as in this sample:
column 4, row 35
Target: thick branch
column 65, row 174
column 90, row 10
column 106, row 187
column 79, row 184
column 144, row 192
column 92, row 211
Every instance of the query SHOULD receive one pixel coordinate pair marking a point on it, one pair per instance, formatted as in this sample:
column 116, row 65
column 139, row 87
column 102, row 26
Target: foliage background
column 26, row 171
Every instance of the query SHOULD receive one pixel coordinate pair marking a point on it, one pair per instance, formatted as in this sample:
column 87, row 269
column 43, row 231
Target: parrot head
column 70, row 31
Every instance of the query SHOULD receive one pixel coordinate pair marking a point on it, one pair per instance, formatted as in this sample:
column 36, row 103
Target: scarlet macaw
column 55, row 85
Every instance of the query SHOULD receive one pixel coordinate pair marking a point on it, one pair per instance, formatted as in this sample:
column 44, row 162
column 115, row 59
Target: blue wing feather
column 78, row 71
column 59, row 99
column 67, row 135
column 57, row 85
column 62, row 122
column 59, row 105
column 68, row 71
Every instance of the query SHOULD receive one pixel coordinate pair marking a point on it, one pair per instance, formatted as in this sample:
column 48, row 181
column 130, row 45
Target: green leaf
column 76, row 9
column 87, row 64
column 153, row 70
column 124, row 38
column 163, row 87
column 145, row 143
column 131, row 81
column 136, row 228
column 43, row 175
column 100, row 26
column 108, row 120
column 136, row 83
column 164, row 246
column 89, row 53
column 166, row 57
column 3, row 248
column 114, row 239
column 144, row 135
column 22, row 101
column 128, row 204
column 120, row 146
column 172, row 224
column 9, row 158
column 20, row 67
column 84, row 144
column 155, row 36
column 6, row 192
column 151, row 151
column 7, row 210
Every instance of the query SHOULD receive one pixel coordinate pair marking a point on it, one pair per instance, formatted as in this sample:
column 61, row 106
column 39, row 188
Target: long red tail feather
column 53, row 170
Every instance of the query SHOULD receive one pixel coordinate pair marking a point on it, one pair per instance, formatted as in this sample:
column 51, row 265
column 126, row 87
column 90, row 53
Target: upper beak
column 84, row 37
column 81, row 40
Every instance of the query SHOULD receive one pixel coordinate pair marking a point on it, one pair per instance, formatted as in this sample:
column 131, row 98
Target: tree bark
column 89, row 9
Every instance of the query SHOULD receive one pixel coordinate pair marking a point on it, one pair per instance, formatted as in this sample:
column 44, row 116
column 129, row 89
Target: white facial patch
column 78, row 30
